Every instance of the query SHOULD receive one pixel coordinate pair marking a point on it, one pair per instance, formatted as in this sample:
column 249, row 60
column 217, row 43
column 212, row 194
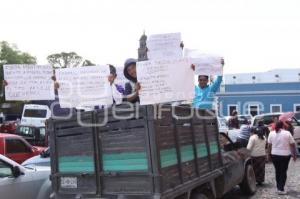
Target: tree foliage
column 10, row 54
column 65, row 60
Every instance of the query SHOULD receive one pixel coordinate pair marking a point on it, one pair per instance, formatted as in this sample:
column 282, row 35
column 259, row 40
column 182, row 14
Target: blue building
column 257, row 93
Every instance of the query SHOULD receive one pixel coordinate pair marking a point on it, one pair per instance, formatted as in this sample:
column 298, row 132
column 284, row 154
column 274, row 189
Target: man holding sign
column 204, row 93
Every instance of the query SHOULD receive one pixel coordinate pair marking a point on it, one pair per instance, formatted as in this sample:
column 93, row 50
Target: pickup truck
column 145, row 152
column 16, row 148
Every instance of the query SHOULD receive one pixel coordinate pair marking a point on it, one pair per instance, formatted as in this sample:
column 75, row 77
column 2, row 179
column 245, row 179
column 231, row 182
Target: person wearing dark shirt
column 132, row 87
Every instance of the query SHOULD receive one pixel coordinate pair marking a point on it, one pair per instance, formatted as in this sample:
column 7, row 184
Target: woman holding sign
column 132, row 87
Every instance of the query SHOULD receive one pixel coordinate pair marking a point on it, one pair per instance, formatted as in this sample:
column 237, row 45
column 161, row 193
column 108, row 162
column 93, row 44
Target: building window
column 275, row 108
column 296, row 107
column 231, row 108
column 253, row 109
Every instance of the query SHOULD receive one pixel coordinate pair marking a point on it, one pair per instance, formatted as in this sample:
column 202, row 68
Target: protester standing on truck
column 281, row 146
column 132, row 87
column 256, row 145
column 204, row 92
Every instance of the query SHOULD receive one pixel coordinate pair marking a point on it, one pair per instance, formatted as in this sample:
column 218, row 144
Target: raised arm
column 217, row 83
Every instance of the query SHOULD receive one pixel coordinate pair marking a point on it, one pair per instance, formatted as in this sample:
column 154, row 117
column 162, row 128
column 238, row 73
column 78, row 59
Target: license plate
column 68, row 182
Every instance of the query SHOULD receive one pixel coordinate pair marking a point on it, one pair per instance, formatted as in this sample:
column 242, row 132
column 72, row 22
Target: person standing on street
column 233, row 122
column 256, row 145
column 244, row 133
column 281, row 146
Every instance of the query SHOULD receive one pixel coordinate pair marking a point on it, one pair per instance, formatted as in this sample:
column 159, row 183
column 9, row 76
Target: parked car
column 268, row 119
column 39, row 160
column 17, row 181
column 17, row 148
column 36, row 136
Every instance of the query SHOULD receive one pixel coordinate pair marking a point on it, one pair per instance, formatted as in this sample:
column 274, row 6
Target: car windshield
column 37, row 113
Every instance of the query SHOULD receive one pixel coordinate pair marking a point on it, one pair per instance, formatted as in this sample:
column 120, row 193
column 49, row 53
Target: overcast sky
column 252, row 35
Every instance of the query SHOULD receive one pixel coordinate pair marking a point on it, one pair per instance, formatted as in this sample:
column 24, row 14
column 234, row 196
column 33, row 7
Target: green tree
column 65, row 60
column 10, row 54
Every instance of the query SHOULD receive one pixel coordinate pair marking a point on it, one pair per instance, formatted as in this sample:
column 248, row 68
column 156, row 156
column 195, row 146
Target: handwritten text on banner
column 28, row 82
column 163, row 46
column 83, row 86
column 165, row 81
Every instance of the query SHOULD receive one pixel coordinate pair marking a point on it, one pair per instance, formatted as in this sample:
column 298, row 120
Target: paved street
column 268, row 190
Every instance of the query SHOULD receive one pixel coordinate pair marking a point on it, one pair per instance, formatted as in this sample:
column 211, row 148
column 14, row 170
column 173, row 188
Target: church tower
column 142, row 51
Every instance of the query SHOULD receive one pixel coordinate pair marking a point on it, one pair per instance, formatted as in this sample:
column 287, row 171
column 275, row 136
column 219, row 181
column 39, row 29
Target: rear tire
column 248, row 185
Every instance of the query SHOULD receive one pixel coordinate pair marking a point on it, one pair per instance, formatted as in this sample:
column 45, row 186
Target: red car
column 17, row 148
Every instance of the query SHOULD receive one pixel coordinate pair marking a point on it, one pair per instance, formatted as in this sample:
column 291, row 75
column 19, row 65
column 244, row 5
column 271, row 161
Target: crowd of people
column 273, row 143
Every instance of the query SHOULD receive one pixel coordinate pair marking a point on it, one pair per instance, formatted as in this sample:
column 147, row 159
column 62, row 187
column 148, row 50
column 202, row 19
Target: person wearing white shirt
column 257, row 147
column 281, row 146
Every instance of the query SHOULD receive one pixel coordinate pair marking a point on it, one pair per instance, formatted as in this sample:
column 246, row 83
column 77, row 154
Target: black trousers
column 281, row 164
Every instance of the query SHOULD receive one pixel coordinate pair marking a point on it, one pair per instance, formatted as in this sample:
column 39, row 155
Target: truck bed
column 148, row 154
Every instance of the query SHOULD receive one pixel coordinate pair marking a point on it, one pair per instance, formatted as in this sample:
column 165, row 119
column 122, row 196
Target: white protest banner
column 83, row 86
column 28, row 82
column 163, row 46
column 205, row 64
column 165, row 81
